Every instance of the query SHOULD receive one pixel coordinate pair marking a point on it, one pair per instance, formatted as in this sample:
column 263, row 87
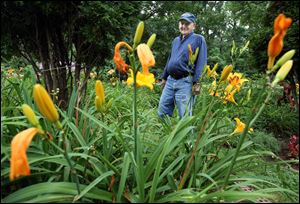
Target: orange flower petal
column 281, row 23
column 18, row 163
column 121, row 65
column 275, row 45
column 146, row 57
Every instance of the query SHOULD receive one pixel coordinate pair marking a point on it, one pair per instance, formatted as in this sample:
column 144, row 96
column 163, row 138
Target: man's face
column 186, row 27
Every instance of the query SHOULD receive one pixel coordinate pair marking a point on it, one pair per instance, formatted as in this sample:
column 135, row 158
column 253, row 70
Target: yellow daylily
column 18, row 162
column 236, row 80
column 212, row 89
column 212, row 73
column 142, row 79
column 240, row 126
column 10, row 71
column 229, row 96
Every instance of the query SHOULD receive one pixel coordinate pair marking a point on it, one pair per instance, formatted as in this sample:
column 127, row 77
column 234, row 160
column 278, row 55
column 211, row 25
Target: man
column 180, row 79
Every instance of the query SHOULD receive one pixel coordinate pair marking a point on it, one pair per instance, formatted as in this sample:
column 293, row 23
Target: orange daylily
column 146, row 57
column 121, row 65
column 281, row 24
column 18, row 163
column 274, row 48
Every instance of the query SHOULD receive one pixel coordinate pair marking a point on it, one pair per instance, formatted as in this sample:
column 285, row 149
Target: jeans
column 179, row 92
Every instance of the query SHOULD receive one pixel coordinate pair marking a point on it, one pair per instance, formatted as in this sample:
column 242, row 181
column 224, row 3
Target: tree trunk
column 41, row 40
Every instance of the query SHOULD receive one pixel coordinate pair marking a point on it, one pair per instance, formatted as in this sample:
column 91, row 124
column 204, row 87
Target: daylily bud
column 195, row 55
column 109, row 103
column 98, row 103
column 100, row 91
column 226, row 71
column 283, row 72
column 138, row 34
column 45, row 103
column 215, row 67
column 190, row 51
column 245, row 47
column 151, row 40
column 30, row 115
column 249, row 95
column 233, row 48
column 287, row 56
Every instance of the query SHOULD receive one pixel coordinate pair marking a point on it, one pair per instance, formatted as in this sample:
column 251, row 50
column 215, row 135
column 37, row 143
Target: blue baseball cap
column 189, row 17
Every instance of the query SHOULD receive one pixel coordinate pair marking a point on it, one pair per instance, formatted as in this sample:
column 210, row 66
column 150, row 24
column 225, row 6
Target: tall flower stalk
column 137, row 79
column 280, row 26
column 47, row 108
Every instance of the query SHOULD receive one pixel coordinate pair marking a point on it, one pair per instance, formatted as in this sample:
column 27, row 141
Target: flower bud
column 283, row 72
column 98, row 103
column 226, row 71
column 45, row 103
column 151, row 40
column 109, row 103
column 30, row 115
column 100, row 91
column 287, row 56
column 138, row 34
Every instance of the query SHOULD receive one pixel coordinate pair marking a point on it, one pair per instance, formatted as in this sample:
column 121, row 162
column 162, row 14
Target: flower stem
column 249, row 124
column 65, row 153
column 73, row 170
column 134, row 116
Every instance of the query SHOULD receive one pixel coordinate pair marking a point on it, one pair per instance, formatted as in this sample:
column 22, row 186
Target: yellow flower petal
column 142, row 79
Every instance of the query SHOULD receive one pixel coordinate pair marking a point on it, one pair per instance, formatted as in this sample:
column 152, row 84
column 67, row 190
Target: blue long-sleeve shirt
column 177, row 64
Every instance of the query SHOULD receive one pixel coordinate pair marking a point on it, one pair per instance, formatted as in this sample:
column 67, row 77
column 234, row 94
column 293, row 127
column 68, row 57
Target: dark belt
column 180, row 76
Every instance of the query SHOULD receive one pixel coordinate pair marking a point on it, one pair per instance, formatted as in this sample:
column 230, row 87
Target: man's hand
column 163, row 83
column 196, row 89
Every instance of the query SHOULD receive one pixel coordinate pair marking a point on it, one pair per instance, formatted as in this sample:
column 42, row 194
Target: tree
column 59, row 33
